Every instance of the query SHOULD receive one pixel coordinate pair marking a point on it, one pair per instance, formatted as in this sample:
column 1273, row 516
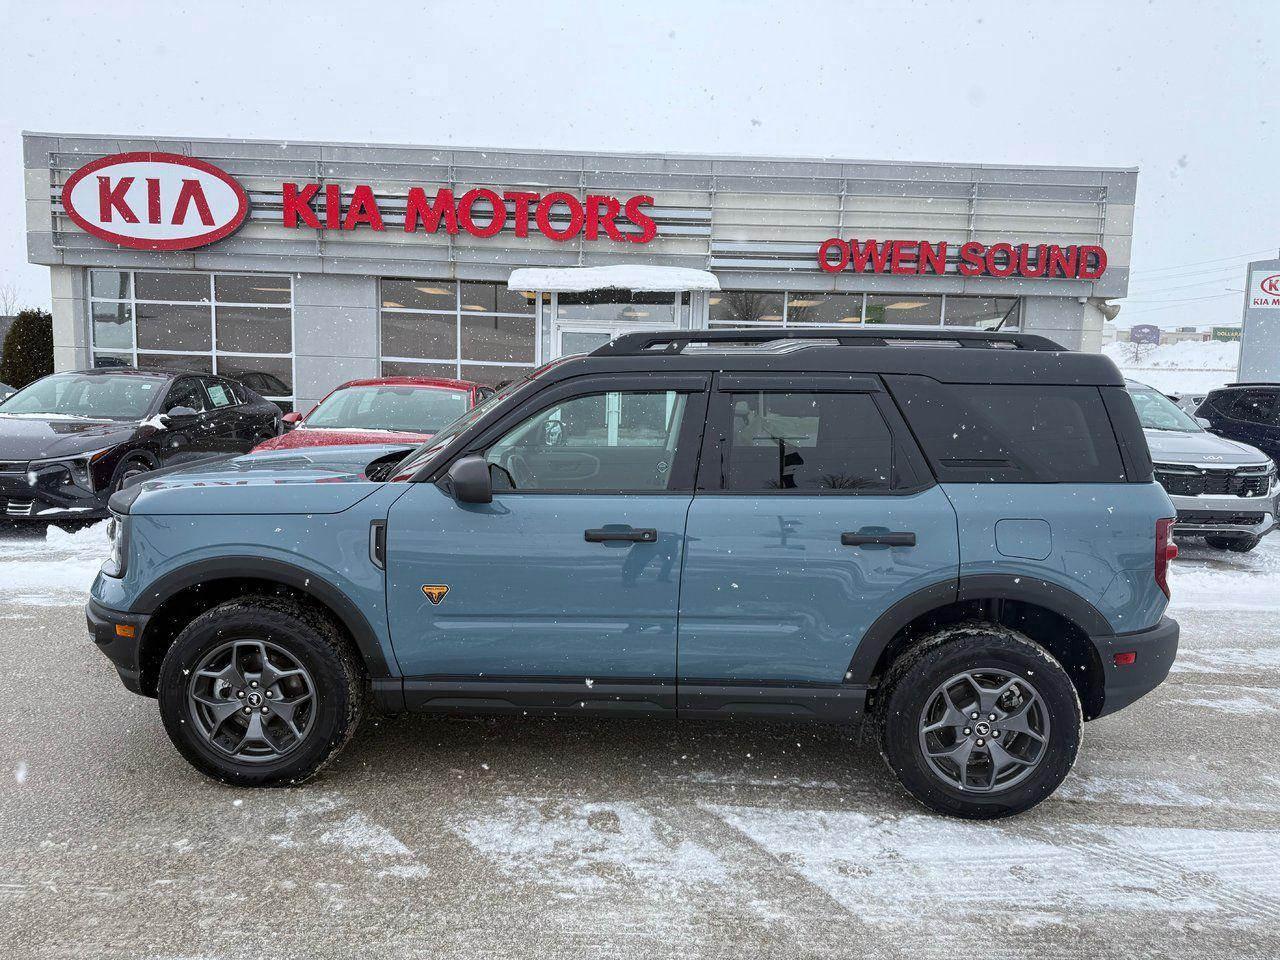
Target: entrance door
column 572, row 574
column 583, row 321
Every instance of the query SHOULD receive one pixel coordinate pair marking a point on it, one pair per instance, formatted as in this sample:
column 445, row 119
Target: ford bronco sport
column 953, row 534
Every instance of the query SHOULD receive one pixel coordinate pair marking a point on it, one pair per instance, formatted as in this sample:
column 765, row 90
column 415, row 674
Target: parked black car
column 1248, row 412
column 69, row 440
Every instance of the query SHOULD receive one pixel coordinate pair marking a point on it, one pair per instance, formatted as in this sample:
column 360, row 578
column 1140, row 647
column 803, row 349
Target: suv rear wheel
column 978, row 721
column 260, row 691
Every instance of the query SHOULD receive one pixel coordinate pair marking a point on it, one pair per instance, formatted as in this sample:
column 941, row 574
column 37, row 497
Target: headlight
column 118, row 531
column 63, row 471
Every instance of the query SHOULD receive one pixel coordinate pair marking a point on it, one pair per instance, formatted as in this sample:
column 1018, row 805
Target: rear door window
column 1011, row 433
column 219, row 394
column 785, row 441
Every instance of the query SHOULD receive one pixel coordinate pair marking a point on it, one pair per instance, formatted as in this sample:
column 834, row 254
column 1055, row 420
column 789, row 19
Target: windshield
column 1158, row 412
column 86, row 396
column 386, row 407
column 437, row 443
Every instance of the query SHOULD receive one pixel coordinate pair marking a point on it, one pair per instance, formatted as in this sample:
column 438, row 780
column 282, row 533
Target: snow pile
column 633, row 276
column 1189, row 367
column 53, row 570
column 1206, row 579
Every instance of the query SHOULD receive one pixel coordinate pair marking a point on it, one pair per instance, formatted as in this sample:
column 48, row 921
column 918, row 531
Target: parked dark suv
column 1248, row 412
column 70, row 440
column 951, row 533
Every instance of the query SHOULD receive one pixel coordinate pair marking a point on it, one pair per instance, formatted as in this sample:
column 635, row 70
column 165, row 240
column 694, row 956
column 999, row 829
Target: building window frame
column 458, row 361
column 133, row 352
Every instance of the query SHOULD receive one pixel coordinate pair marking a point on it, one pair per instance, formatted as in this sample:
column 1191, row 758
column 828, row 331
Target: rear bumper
column 123, row 652
column 1154, row 651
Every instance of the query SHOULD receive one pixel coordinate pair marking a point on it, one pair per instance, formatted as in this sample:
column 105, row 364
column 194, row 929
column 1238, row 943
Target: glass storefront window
column 824, row 308
column 985, row 313
column 903, row 308
column 505, row 339
column 109, row 284
column 735, row 307
column 195, row 321
column 495, row 298
column 113, row 325
column 233, row 288
column 420, row 295
column 468, row 329
column 171, row 326
column 172, row 287
column 618, row 306
column 254, row 329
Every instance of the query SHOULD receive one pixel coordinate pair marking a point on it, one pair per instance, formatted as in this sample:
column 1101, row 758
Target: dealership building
column 297, row 266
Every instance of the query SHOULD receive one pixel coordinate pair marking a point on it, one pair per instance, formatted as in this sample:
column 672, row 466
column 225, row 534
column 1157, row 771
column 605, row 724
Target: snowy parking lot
column 506, row 838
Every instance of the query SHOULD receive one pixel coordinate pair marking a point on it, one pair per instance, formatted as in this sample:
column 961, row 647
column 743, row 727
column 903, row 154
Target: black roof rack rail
column 674, row 341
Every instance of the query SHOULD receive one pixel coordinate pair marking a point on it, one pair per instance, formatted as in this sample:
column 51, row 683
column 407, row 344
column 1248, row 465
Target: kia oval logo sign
column 155, row 201
column 1271, row 285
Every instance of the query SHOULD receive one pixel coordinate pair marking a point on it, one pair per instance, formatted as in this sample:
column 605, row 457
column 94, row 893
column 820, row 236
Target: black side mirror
column 180, row 411
column 469, row 478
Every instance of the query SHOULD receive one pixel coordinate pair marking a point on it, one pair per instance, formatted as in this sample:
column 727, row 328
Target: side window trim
column 685, row 466
column 713, row 456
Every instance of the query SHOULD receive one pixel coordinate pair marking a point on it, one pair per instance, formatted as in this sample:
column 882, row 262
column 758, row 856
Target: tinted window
column 806, row 441
column 185, row 393
column 1006, row 433
column 1254, row 406
column 599, row 442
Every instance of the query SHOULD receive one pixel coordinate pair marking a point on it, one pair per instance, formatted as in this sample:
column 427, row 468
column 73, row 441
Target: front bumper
column 1154, row 651
column 1225, row 516
column 20, row 499
column 122, row 651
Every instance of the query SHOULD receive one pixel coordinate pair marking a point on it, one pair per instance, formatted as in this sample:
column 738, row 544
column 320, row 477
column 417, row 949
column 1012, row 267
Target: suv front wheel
column 260, row 691
column 978, row 721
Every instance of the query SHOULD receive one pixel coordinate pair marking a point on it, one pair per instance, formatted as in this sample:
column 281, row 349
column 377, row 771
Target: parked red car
column 380, row 410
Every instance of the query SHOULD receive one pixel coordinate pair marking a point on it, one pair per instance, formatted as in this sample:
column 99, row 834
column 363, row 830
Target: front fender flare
column 264, row 568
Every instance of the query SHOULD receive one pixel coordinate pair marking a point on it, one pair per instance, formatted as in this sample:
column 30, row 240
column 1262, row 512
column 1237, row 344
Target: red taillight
column 1166, row 550
column 1126, row 659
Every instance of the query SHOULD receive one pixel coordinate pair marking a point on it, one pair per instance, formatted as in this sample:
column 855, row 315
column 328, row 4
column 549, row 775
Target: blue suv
column 952, row 534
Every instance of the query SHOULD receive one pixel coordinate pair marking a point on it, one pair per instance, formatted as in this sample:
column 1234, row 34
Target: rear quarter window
column 1011, row 433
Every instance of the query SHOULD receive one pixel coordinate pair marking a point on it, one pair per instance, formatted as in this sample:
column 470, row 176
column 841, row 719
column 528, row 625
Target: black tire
column 291, row 629
column 128, row 468
column 1234, row 544
column 913, row 682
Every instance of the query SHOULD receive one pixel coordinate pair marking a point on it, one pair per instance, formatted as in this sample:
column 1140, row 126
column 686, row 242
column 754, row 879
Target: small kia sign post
column 1260, row 330
column 155, row 201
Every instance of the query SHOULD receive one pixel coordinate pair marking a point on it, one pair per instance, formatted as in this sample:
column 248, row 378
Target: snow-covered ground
column 453, row 837
column 1188, row 367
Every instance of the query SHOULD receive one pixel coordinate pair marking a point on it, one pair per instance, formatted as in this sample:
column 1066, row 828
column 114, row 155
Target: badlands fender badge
column 435, row 592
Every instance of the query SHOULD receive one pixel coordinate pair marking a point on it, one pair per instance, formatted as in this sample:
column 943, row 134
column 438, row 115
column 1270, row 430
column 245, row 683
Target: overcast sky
column 1186, row 92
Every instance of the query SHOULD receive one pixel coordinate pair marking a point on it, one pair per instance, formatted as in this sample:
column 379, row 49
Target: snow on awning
column 623, row 276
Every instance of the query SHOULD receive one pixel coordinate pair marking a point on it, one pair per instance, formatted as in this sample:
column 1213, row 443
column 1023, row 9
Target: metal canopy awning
column 621, row 277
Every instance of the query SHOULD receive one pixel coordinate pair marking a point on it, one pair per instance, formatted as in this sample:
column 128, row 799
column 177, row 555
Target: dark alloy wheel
column 261, row 691
column 252, row 700
column 978, row 721
column 984, row 730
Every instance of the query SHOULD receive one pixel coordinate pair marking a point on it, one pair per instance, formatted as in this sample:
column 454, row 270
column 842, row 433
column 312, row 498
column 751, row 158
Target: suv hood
column 34, row 437
column 1201, row 449
column 317, row 480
